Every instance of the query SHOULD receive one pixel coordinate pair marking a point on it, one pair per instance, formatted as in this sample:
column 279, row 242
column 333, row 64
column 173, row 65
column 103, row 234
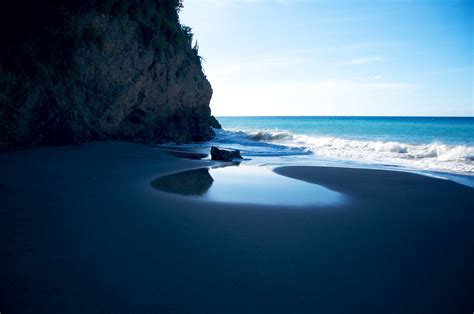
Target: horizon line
column 344, row 116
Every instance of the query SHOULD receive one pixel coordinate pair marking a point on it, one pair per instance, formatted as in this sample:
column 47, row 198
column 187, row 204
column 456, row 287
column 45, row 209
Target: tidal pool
column 246, row 184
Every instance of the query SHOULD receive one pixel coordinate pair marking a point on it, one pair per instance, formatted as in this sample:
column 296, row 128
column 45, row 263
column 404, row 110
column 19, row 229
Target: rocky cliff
column 73, row 71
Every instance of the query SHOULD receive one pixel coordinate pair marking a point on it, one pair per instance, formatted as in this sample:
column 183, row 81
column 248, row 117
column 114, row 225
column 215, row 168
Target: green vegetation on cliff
column 75, row 71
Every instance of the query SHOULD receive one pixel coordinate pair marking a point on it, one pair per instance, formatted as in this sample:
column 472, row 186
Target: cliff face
column 111, row 69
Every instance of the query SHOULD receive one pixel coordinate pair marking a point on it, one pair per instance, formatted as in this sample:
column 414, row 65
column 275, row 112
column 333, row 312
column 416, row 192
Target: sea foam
column 426, row 156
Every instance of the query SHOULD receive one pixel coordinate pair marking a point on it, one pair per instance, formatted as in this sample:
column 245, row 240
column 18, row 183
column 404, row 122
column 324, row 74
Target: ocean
column 434, row 145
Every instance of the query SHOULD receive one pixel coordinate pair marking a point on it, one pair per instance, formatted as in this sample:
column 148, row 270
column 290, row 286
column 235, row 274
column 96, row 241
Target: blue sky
column 359, row 57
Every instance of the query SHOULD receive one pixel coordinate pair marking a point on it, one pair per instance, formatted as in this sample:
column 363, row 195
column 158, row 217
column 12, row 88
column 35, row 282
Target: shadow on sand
column 190, row 183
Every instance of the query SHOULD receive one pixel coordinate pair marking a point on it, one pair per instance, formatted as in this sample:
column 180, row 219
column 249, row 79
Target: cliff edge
column 73, row 71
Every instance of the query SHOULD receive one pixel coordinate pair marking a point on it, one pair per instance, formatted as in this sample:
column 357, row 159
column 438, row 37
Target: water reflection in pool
column 246, row 184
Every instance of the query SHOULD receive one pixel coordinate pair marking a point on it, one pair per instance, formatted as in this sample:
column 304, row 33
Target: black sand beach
column 83, row 230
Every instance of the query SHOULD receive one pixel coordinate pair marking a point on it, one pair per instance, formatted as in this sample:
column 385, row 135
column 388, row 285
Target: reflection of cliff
column 72, row 71
column 192, row 182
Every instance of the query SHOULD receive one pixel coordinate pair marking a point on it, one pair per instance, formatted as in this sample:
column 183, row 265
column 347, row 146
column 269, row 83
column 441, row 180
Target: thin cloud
column 359, row 61
column 366, row 45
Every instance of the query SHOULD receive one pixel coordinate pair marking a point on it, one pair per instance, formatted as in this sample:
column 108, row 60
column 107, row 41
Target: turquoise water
column 424, row 143
column 413, row 130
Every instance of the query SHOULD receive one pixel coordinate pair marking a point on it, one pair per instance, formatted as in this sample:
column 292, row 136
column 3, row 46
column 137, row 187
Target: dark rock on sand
column 74, row 71
column 224, row 154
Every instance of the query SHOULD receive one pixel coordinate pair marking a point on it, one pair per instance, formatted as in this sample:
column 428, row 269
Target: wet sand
column 83, row 230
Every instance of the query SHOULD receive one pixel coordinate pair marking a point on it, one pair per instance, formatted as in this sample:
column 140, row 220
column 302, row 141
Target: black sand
column 83, row 231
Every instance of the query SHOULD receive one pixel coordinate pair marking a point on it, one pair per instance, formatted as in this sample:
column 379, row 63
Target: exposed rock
column 214, row 123
column 224, row 154
column 73, row 71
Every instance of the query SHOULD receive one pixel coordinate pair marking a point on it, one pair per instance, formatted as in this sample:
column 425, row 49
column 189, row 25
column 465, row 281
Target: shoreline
column 413, row 144
column 81, row 229
column 202, row 150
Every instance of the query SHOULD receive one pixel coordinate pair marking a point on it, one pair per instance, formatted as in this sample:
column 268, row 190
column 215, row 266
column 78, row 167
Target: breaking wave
column 429, row 156
column 259, row 143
